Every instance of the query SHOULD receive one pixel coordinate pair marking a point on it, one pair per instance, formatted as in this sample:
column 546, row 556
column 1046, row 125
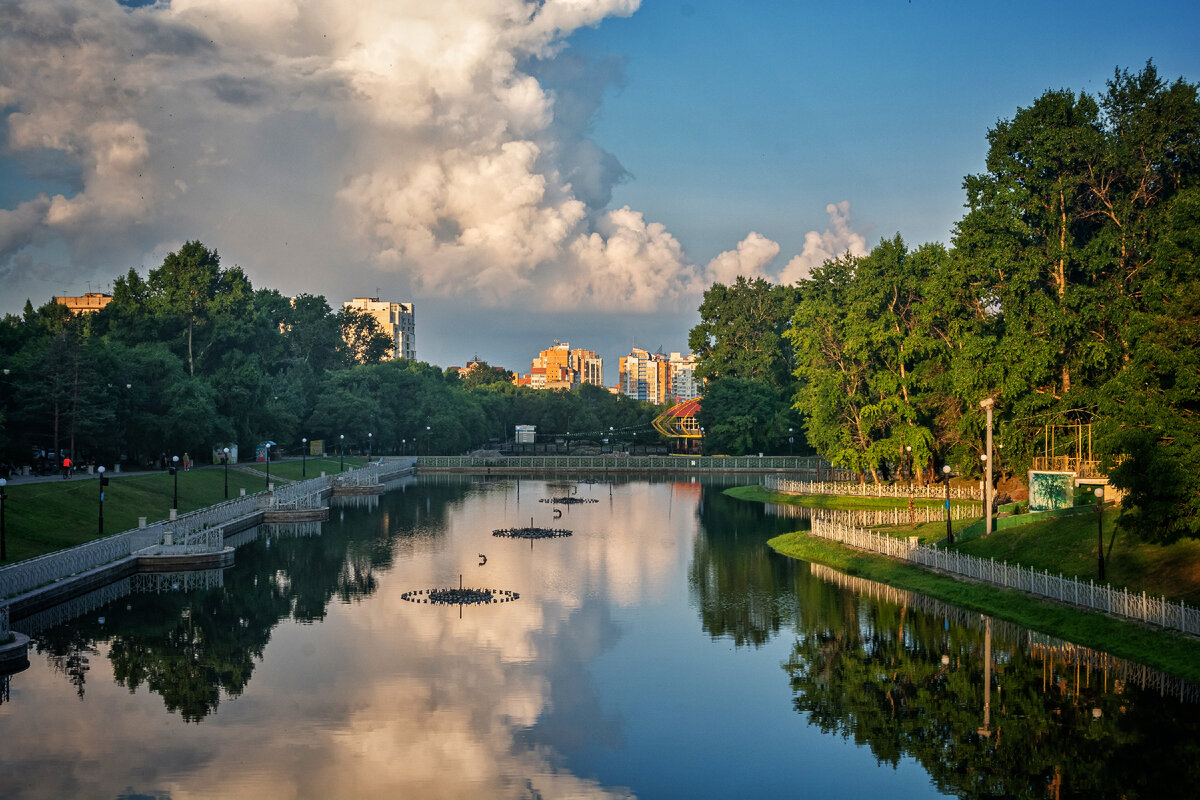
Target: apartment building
column 398, row 320
column 681, row 377
column 560, row 367
column 643, row 376
column 88, row 303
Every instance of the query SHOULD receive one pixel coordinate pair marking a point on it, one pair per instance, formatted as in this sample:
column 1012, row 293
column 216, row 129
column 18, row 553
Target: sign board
column 1051, row 490
column 526, row 434
column 218, row 453
column 316, row 447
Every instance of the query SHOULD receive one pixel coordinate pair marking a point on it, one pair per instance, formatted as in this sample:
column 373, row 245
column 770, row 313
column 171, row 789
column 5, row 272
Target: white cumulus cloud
column 836, row 240
column 749, row 260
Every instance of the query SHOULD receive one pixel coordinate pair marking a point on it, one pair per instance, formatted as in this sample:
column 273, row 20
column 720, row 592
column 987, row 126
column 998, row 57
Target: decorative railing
column 777, row 483
column 628, row 463
column 1041, row 646
column 305, row 494
column 191, row 533
column 1098, row 597
column 873, row 517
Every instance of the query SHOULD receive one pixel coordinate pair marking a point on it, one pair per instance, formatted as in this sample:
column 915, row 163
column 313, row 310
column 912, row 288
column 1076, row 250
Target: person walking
column 66, row 466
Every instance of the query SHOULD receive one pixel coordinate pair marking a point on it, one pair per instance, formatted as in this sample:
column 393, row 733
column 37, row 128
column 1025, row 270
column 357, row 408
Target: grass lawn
column 1170, row 652
column 313, row 466
column 51, row 515
column 1069, row 544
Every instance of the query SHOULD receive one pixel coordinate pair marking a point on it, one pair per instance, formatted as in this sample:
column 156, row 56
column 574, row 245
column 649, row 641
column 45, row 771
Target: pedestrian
column 66, row 467
column 187, row 462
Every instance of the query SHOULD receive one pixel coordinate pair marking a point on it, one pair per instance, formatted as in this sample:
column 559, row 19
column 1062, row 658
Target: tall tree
column 740, row 334
column 192, row 287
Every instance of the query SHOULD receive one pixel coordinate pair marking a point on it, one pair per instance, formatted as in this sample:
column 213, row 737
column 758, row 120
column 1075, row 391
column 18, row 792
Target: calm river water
column 661, row 651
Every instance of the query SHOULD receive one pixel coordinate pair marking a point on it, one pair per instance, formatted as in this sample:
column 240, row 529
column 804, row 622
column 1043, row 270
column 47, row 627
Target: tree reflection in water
column 192, row 647
column 1054, row 721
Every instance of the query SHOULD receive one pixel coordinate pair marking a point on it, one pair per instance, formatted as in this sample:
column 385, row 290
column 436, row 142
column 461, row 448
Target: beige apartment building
column 398, row 320
column 88, row 303
column 560, row 367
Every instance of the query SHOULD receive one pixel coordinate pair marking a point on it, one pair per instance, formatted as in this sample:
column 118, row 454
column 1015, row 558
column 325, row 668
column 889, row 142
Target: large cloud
column 413, row 135
column 440, row 148
column 838, row 238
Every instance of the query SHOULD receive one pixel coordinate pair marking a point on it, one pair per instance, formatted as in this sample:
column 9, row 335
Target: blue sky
column 580, row 173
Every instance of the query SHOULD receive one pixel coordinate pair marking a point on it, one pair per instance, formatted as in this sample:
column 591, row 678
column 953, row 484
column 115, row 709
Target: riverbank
column 45, row 515
column 1173, row 653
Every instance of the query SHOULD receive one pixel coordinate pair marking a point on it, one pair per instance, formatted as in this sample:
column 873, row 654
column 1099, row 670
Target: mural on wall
column 1051, row 490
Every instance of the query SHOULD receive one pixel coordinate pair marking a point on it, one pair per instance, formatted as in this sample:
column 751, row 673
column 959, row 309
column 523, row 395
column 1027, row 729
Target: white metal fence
column 872, row 517
column 1098, row 597
column 777, row 483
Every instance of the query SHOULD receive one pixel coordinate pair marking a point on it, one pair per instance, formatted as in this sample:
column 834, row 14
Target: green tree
column 192, row 288
column 742, row 416
column 740, row 334
column 363, row 339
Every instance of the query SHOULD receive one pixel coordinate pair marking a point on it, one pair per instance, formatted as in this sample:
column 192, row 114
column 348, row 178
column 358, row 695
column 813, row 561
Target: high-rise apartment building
column 398, row 321
column 560, row 367
column 644, row 376
column 681, row 377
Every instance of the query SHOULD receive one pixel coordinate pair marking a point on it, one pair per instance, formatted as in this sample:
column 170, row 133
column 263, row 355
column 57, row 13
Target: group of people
column 165, row 462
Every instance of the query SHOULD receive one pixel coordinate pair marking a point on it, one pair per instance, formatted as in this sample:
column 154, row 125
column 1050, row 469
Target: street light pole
column 103, row 483
column 341, row 452
column 267, row 453
column 3, row 529
column 949, row 530
column 1100, row 528
column 429, row 436
column 225, row 459
column 175, row 472
column 304, row 457
column 912, row 521
column 790, row 440
column 988, row 404
column 369, row 438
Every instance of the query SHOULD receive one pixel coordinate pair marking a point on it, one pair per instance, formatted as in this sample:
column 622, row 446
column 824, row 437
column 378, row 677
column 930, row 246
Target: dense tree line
column 193, row 355
column 1071, row 294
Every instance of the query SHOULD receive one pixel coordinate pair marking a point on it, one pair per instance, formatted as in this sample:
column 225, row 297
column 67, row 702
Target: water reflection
column 989, row 709
column 643, row 659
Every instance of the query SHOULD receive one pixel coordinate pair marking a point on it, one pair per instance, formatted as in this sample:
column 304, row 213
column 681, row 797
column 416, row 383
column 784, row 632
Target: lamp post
column 987, row 492
column 225, row 460
column 175, row 472
column 949, row 530
column 369, row 437
column 1100, row 528
column 612, row 440
column 428, row 436
column 790, row 440
column 341, row 452
column 404, row 447
column 988, row 404
column 3, row 529
column 103, row 483
column 304, row 457
column 911, row 511
column 267, row 456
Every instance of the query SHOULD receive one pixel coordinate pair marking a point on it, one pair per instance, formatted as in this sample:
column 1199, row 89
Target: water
column 660, row 651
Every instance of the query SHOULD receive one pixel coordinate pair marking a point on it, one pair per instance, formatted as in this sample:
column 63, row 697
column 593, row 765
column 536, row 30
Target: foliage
column 741, row 416
column 740, row 334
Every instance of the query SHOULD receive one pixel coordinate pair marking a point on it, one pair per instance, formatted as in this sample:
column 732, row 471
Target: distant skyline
column 521, row 172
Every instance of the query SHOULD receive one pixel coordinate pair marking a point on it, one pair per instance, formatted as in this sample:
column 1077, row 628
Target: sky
column 524, row 172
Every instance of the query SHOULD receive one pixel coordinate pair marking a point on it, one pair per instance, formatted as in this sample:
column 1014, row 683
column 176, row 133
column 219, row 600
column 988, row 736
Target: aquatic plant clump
column 460, row 596
column 532, row 533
